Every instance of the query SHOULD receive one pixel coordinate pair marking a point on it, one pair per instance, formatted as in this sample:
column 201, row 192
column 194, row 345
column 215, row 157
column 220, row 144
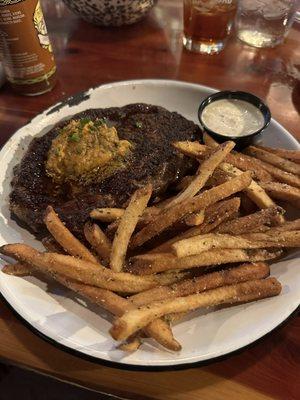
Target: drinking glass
column 207, row 24
column 265, row 23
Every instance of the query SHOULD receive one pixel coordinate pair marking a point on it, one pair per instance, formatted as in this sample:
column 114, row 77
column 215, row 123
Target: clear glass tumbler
column 207, row 24
column 265, row 23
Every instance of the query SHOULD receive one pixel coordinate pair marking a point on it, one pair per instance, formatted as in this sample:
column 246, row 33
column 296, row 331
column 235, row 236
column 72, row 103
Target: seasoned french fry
column 84, row 271
column 214, row 215
column 254, row 191
column 279, row 174
column 65, row 238
column 134, row 320
column 204, row 172
column 274, row 159
column 117, row 305
column 98, row 240
column 203, row 243
column 288, row 226
column 282, row 191
column 246, row 163
column 192, row 149
column 170, row 216
column 238, row 160
column 252, row 222
column 293, row 155
column 131, row 345
column 127, row 225
column 209, row 141
column 275, row 238
column 195, row 219
column 112, row 215
column 107, row 214
column 51, row 245
column 242, row 273
column 151, row 263
column 147, row 217
column 17, row 269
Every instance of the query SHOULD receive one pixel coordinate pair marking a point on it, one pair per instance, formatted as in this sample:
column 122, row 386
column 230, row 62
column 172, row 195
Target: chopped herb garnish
column 74, row 137
column 139, row 124
column 100, row 121
column 83, row 122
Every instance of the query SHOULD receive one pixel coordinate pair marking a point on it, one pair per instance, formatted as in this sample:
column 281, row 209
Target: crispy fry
column 112, row 215
column 288, row 226
column 170, row 216
column 242, row 273
column 252, row 222
column 217, row 178
column 238, row 160
column 132, row 321
column 254, row 191
column 209, row 141
column 246, row 163
column 289, row 154
column 65, row 238
column 127, row 225
column 204, row 172
column 214, row 215
column 117, row 305
column 147, row 217
column 17, row 269
column 51, row 245
column 203, row 243
column 84, row 271
column 152, row 263
column 279, row 174
column 274, row 159
column 282, row 191
column 98, row 240
column 192, row 149
column 131, row 345
column 195, row 219
column 107, row 214
column 275, row 238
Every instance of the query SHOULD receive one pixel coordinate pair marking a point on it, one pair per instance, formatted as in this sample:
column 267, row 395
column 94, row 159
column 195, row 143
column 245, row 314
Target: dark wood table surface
column 88, row 56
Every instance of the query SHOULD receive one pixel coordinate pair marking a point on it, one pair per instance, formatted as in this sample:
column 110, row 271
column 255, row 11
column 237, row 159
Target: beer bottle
column 25, row 48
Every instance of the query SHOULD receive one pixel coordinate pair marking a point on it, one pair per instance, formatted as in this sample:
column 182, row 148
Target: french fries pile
column 206, row 246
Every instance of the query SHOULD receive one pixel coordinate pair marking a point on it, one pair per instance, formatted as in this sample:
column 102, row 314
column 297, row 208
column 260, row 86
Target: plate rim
column 143, row 367
column 78, row 98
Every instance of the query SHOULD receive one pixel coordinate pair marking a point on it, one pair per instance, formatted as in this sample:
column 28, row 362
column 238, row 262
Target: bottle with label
column 25, row 48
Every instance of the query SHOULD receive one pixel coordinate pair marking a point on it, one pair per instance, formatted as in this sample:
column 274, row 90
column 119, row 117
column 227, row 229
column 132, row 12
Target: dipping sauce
column 232, row 117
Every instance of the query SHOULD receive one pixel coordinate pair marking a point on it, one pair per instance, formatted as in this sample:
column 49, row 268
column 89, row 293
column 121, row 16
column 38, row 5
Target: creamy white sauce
column 232, row 117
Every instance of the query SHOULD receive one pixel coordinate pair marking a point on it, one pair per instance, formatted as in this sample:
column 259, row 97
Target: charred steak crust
column 153, row 160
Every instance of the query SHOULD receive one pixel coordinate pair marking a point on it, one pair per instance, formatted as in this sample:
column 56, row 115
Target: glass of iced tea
column 207, row 24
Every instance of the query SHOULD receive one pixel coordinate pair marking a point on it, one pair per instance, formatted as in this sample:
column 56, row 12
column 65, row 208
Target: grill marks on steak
column 152, row 129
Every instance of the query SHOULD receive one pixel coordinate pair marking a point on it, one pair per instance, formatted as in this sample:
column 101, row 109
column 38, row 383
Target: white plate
column 65, row 320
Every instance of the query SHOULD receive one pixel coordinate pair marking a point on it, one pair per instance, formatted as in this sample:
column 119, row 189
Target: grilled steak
column 151, row 129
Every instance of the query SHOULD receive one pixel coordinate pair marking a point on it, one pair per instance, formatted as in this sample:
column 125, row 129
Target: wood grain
column 87, row 56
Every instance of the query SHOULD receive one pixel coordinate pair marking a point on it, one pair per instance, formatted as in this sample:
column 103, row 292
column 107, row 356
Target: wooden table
column 87, row 56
